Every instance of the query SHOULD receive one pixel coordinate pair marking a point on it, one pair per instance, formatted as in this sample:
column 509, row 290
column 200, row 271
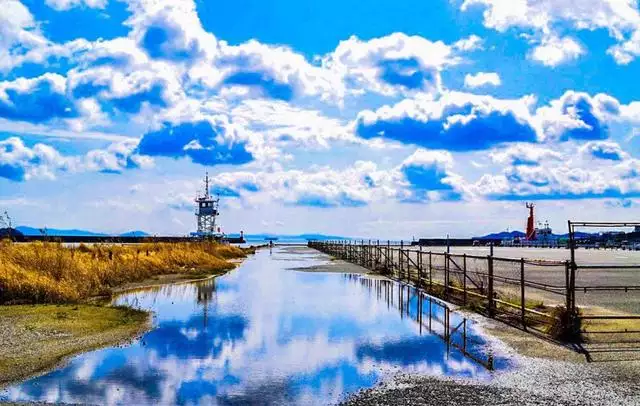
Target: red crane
column 531, row 228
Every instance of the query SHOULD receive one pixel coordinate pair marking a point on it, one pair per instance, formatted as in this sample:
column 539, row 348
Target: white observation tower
column 207, row 211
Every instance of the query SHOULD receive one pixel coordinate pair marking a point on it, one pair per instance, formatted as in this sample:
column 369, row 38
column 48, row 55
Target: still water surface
column 265, row 333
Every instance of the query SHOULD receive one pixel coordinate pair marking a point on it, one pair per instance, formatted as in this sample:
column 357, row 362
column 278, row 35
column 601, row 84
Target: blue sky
column 377, row 119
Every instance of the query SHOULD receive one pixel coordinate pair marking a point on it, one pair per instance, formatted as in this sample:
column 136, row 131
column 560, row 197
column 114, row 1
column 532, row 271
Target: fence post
column 567, row 285
column 387, row 260
column 430, row 277
column 446, row 275
column 400, row 259
column 464, row 278
column 490, row 288
column 523, row 307
column 419, row 265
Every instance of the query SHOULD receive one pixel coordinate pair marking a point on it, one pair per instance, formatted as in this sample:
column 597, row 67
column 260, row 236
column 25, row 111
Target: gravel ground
column 533, row 382
column 554, row 375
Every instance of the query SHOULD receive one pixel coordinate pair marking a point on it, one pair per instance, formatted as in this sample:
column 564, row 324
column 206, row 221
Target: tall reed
column 47, row 272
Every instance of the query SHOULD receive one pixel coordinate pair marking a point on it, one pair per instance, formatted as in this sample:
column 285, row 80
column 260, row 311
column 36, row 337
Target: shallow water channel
column 265, row 333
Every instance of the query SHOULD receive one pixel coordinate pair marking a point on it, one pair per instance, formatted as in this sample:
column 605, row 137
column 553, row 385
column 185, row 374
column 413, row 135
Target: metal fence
column 606, row 296
column 432, row 316
column 518, row 291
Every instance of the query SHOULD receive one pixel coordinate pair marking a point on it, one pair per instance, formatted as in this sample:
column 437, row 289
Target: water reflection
column 266, row 334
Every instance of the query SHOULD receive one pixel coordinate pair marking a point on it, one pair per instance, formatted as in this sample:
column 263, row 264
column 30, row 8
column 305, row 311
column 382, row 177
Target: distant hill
column 54, row 232
column 502, row 235
column 136, row 233
column 519, row 234
column 7, row 232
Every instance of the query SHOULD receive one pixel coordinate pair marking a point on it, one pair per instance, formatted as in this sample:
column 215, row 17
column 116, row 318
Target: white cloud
column 569, row 174
column 67, row 4
column 554, row 51
column 621, row 18
column 19, row 162
column 471, row 43
column 18, row 32
column 524, row 154
column 482, row 79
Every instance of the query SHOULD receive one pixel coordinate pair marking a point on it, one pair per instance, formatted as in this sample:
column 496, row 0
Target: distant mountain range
column 54, row 232
column 286, row 237
column 519, row 234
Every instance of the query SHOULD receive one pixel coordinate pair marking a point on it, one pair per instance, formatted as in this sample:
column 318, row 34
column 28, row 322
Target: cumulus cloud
column 204, row 142
column 481, row 79
column 604, row 150
column 19, row 162
column 18, row 32
column 524, row 154
column 455, row 121
column 429, row 176
column 287, row 126
column 554, row 51
column 395, row 61
column 423, row 177
column 573, row 175
column 321, row 187
column 67, row 4
column 36, row 100
column 577, row 115
column 621, row 19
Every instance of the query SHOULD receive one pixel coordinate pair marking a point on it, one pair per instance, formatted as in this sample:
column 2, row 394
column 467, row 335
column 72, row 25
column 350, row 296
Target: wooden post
column 490, row 288
column 464, row 278
column 388, row 259
column 430, row 277
column 523, row 307
column 446, row 276
column 419, row 265
column 400, row 259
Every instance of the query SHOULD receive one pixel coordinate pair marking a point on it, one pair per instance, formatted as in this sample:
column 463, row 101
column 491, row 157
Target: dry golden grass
column 54, row 273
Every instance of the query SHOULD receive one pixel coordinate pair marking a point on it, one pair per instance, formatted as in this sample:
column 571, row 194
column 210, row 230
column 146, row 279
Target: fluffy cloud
column 455, row 121
column 19, row 162
column 465, row 122
column 287, row 126
column 482, row 79
column 204, row 142
column 604, row 150
column 554, row 51
column 36, row 100
column 577, row 115
column 429, row 176
column 321, row 187
column 397, row 61
column 524, row 154
column 18, row 32
column 573, row 175
column 170, row 30
column 425, row 176
column 621, row 18
column 67, row 4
